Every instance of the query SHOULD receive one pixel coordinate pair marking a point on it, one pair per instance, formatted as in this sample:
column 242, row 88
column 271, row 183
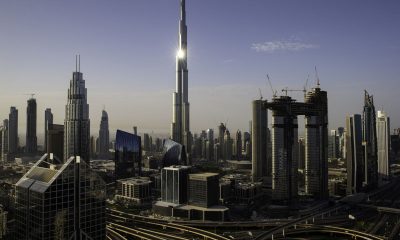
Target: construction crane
column 286, row 90
column 304, row 90
column 274, row 92
column 30, row 94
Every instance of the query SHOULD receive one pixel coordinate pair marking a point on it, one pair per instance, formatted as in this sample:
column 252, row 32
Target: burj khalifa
column 180, row 129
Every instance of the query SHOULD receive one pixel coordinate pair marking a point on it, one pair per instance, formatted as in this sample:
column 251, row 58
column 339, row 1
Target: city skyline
column 116, row 59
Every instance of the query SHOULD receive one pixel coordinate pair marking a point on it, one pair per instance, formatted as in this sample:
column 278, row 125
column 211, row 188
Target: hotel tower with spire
column 77, row 123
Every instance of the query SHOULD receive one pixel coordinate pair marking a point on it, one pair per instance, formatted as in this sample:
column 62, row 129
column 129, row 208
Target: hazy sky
column 128, row 48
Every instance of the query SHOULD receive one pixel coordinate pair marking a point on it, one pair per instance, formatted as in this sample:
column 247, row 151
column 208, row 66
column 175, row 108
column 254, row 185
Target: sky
column 128, row 50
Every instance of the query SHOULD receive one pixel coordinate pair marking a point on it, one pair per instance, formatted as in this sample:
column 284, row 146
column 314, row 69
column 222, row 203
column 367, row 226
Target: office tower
column 146, row 142
column 383, row 146
column 333, row 145
column 135, row 130
column 48, row 119
column 284, row 151
column 217, row 152
column 158, row 145
column 227, row 155
column 4, row 141
column 77, row 123
column 316, row 169
column 180, row 129
column 269, row 153
column 93, row 147
column 247, row 144
column 13, row 131
column 60, row 201
column 31, row 117
column 55, row 140
column 203, row 189
column 302, row 153
column 369, row 142
column 238, row 145
column 174, row 184
column 342, row 148
column 210, row 145
column 221, row 135
column 354, row 158
column 259, row 140
column 104, row 137
column 128, row 155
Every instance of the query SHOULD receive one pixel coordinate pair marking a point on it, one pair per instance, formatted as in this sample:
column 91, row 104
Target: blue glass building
column 128, row 155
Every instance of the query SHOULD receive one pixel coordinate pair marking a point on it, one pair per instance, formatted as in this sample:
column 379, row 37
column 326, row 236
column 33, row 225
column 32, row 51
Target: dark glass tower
column 369, row 142
column 104, row 137
column 13, row 131
column 355, row 163
column 48, row 119
column 128, row 155
column 31, row 117
column 56, row 200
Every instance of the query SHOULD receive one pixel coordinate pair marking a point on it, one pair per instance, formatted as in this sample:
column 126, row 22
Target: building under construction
column 284, row 138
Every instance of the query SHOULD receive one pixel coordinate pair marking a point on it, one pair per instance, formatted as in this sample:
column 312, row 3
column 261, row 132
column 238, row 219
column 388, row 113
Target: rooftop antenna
column 76, row 63
column 316, row 75
column 79, row 64
column 272, row 89
column 261, row 97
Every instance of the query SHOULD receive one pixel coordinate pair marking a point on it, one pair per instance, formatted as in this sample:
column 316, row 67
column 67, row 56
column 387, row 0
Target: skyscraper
column 227, row 146
column 60, row 201
column 221, row 135
column 333, row 145
column 77, row 123
column 13, row 131
column 210, row 145
column 238, row 145
column 31, row 117
column 48, row 119
column 383, row 135
column 259, row 140
column 128, row 155
column 104, row 136
column 354, row 158
column 180, row 129
column 4, row 141
column 316, row 169
column 284, row 151
column 55, row 140
column 369, row 141
column 174, row 184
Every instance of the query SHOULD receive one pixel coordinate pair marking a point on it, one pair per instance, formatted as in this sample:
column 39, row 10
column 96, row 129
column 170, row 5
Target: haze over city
column 128, row 50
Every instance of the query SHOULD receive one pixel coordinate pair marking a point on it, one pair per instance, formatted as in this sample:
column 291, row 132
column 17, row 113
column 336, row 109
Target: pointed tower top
column 183, row 10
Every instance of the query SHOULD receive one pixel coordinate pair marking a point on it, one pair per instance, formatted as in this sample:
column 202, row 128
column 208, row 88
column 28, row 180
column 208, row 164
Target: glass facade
column 128, row 155
column 46, row 197
column 173, row 153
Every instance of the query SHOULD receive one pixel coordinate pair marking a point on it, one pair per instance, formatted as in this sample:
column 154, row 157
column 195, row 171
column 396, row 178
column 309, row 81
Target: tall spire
column 183, row 11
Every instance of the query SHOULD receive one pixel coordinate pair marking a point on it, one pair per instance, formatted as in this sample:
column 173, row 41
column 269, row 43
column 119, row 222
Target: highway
column 131, row 218
column 305, row 229
column 269, row 234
